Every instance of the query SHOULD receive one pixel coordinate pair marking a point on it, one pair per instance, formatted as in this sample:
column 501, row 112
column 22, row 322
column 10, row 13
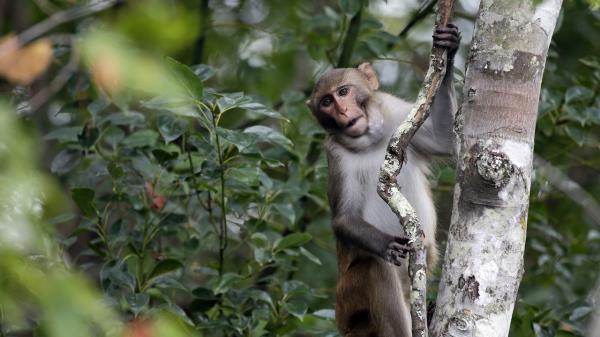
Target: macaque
column 373, row 284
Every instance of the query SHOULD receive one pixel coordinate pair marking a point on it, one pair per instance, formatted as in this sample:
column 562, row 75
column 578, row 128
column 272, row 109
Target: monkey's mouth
column 352, row 122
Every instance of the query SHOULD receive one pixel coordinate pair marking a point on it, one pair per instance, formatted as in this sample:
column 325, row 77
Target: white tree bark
column 483, row 262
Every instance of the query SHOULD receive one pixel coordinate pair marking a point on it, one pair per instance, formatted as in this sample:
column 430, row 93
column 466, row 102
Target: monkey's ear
column 371, row 75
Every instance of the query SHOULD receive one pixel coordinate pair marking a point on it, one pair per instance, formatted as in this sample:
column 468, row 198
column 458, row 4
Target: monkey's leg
column 391, row 310
column 370, row 300
column 354, row 297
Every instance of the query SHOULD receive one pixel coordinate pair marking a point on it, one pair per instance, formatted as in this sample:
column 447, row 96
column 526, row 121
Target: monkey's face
column 340, row 100
column 345, row 106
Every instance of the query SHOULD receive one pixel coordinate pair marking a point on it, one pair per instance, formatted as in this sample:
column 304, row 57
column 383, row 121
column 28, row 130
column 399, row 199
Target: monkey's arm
column 356, row 231
column 435, row 137
column 348, row 225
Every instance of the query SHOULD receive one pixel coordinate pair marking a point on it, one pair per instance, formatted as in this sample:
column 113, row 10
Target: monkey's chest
column 363, row 182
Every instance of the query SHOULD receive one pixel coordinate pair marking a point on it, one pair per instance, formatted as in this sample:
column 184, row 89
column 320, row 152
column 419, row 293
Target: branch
column 59, row 18
column 425, row 9
column 568, row 186
column 198, row 56
column 350, row 39
column 59, row 81
column 388, row 187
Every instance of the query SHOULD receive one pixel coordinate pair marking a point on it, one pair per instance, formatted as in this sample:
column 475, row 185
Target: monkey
column 359, row 120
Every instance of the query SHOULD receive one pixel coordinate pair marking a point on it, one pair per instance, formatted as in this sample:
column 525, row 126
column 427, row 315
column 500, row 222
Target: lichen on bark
column 388, row 187
column 483, row 263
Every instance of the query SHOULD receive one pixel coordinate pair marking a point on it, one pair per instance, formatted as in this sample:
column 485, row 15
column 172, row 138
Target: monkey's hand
column 397, row 250
column 447, row 37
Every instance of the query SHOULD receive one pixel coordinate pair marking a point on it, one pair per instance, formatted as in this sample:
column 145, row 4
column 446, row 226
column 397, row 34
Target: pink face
column 341, row 105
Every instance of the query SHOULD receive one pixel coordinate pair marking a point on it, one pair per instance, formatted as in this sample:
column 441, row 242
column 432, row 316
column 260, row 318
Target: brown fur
column 367, row 305
column 372, row 290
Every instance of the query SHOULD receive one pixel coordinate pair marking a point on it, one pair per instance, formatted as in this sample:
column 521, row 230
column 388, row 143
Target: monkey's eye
column 326, row 101
column 343, row 91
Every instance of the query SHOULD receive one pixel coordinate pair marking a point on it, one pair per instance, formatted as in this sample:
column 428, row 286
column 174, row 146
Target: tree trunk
column 483, row 262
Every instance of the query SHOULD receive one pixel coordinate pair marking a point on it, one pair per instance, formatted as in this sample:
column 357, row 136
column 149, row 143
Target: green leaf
column 578, row 94
column 98, row 106
column 244, row 142
column 292, row 241
column 231, row 100
column 297, row 308
column 259, row 329
column 325, row 313
column 65, row 161
column 163, row 156
column 115, row 170
column 141, row 139
column 61, row 218
column 259, row 240
column 350, row 7
column 580, row 313
column 113, row 135
column 204, row 299
column 247, row 176
column 164, row 267
column 146, row 167
column 88, row 136
column 204, row 71
column 261, row 296
column 295, row 287
column 84, row 198
column 170, row 128
column 591, row 61
column 189, row 82
column 262, row 256
column 260, row 109
column 137, row 302
column 267, row 134
column 120, row 278
column 287, row 211
column 226, row 282
column 177, row 105
column 310, row 256
column 576, row 134
column 64, row 135
column 128, row 118
column 180, row 313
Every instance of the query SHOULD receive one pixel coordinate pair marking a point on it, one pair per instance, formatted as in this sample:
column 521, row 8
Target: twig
column 59, row 81
column 59, row 18
column 350, row 39
column 425, row 9
column 45, row 6
column 198, row 56
column 388, row 187
column 223, row 222
column 572, row 189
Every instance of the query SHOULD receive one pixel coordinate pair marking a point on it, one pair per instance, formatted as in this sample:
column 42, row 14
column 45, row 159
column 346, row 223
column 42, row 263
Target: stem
column 195, row 188
column 223, row 231
column 198, row 56
column 59, row 81
column 62, row 17
column 422, row 13
column 388, row 187
column 350, row 39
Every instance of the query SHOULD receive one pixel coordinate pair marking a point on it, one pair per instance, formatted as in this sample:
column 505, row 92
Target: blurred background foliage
column 160, row 174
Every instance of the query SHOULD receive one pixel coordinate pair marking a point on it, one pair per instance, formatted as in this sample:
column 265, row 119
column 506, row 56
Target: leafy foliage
column 183, row 175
